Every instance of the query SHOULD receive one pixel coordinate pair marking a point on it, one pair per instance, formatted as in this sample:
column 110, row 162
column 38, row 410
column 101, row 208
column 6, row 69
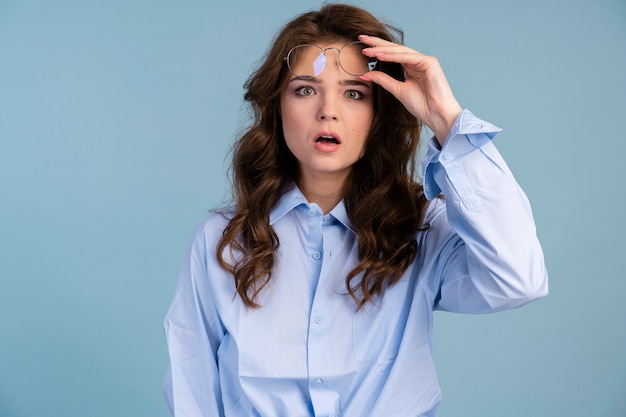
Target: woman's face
column 326, row 119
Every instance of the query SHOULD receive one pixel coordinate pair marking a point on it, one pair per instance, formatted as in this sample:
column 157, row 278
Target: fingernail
column 364, row 78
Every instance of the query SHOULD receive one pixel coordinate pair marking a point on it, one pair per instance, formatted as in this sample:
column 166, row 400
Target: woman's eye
column 354, row 95
column 305, row 91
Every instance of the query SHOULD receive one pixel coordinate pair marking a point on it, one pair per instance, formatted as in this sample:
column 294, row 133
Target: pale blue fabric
column 307, row 351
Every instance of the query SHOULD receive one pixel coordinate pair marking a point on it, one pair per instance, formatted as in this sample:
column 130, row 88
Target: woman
column 313, row 295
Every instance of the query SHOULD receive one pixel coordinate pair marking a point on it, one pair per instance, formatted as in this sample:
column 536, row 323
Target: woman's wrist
column 444, row 123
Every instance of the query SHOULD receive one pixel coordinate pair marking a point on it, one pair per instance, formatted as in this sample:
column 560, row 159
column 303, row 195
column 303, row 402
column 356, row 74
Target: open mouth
column 328, row 139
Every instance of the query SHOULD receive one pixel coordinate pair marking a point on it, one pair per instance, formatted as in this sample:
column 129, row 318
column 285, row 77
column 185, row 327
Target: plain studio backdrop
column 116, row 119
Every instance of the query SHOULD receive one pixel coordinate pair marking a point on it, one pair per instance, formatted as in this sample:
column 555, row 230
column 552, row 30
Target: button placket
column 321, row 394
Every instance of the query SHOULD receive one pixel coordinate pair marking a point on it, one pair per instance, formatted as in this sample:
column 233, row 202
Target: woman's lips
column 327, row 143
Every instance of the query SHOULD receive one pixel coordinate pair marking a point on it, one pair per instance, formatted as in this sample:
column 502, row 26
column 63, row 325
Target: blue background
column 115, row 123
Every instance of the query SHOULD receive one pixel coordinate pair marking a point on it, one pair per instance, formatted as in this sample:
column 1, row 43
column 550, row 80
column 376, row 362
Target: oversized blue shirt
column 307, row 351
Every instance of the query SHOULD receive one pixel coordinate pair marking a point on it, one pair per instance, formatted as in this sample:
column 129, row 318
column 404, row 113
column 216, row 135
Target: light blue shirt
column 307, row 351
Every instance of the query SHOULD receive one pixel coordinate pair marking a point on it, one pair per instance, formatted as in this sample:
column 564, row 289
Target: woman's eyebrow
column 354, row 82
column 309, row 80
column 343, row 83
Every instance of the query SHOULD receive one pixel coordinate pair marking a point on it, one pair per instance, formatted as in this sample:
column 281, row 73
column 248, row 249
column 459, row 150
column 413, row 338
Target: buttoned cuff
column 467, row 134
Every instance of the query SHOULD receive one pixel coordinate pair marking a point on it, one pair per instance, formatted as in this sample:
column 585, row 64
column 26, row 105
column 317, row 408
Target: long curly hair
column 383, row 199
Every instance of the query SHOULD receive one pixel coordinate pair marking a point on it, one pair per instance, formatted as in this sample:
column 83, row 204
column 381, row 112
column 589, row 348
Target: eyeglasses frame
column 371, row 65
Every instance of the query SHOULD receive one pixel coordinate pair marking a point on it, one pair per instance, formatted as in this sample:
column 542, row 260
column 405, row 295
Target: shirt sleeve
column 193, row 331
column 488, row 255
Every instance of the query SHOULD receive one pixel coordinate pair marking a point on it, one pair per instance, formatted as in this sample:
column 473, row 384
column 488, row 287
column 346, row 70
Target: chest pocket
column 398, row 322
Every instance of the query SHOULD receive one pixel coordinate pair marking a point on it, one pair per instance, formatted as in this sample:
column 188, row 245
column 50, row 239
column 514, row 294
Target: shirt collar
column 340, row 213
column 293, row 197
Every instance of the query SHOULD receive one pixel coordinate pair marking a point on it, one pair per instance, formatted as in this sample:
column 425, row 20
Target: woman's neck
column 325, row 192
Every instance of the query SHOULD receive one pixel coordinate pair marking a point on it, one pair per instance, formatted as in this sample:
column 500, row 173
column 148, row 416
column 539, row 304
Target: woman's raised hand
column 425, row 93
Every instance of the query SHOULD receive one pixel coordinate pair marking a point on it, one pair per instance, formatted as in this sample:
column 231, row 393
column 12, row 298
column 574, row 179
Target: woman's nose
column 328, row 109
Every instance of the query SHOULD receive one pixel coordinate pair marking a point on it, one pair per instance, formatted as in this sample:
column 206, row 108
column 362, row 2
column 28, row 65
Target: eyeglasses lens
column 353, row 61
column 306, row 61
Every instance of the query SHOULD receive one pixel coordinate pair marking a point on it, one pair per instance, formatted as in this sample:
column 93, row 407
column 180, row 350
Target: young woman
column 313, row 294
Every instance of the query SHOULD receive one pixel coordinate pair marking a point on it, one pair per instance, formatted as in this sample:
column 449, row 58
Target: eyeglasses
column 308, row 61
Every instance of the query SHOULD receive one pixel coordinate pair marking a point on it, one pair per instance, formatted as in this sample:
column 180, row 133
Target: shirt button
column 318, row 381
column 446, row 156
column 319, row 319
column 312, row 212
column 316, row 255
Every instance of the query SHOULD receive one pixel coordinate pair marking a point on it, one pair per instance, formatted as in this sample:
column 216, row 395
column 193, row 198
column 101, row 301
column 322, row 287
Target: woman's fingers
column 425, row 93
column 381, row 46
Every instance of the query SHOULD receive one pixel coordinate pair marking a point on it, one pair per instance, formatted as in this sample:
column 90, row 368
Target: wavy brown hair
column 383, row 200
